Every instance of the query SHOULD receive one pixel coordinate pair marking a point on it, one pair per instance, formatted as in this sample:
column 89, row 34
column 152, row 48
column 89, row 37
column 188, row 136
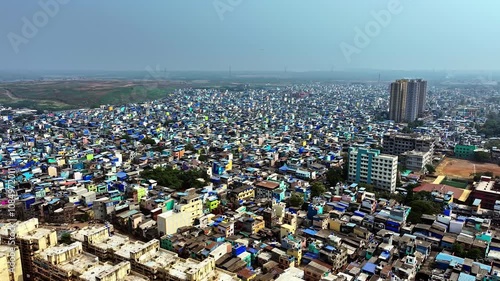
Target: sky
column 249, row 35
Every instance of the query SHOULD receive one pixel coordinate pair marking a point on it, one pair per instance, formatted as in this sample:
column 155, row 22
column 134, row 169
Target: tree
column 126, row 137
column 189, row 147
column 430, row 169
column 317, row 189
column 203, row 157
column 335, row 175
column 474, row 253
column 148, row 141
column 368, row 187
column 482, row 156
column 458, row 250
column 492, row 143
column 66, row 238
column 176, row 179
column 420, row 207
column 296, row 200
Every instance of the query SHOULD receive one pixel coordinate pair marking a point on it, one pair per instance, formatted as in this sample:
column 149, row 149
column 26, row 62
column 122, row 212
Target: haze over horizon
column 251, row 35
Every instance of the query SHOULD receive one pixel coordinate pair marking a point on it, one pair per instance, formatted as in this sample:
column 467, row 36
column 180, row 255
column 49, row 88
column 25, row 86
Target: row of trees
column 177, row 179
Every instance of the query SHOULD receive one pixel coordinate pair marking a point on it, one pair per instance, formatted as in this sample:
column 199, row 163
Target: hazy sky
column 301, row 35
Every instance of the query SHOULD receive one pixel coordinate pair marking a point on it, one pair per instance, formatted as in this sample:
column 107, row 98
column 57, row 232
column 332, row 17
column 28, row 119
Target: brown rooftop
column 268, row 184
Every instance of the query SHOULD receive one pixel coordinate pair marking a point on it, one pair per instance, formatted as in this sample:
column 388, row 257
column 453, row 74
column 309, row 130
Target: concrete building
column 265, row 189
column 407, row 99
column 10, row 263
column 70, row 262
column 170, row 221
column 414, row 151
column 29, row 238
column 397, row 102
column 191, row 204
column 396, row 144
column 416, row 160
column 371, row 167
column 464, row 151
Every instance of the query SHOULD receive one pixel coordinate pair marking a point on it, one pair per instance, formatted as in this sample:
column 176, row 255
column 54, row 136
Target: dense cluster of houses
column 257, row 148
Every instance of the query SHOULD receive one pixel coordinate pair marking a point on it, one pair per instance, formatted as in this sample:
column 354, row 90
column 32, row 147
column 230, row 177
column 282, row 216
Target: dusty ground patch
column 460, row 168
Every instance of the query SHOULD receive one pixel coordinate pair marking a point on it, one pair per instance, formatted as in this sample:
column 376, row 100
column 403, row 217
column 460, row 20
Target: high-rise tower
column 407, row 99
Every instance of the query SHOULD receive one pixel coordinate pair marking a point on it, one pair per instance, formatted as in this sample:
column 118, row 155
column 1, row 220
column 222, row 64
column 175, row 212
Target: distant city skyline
column 252, row 35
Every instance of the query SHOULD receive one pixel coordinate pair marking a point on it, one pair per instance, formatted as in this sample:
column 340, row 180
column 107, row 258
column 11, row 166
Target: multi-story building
column 29, row 238
column 10, row 263
column 264, row 189
column 396, row 144
column 416, row 160
column 397, row 101
column 191, row 204
column 170, row 221
column 414, row 151
column 371, row 167
column 422, row 97
column 245, row 192
column 407, row 99
column 70, row 262
column 464, row 151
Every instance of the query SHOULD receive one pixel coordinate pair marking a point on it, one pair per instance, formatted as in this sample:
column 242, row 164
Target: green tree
column 492, row 143
column 126, row 137
column 203, row 157
column 335, row 175
column 420, row 207
column 482, row 156
column 317, row 189
column 458, row 250
column 296, row 200
column 430, row 169
column 189, row 147
column 368, row 187
column 474, row 253
column 148, row 141
column 66, row 238
column 176, row 179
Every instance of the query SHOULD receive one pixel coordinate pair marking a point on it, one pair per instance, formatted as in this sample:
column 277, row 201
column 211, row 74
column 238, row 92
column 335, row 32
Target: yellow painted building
column 10, row 263
column 243, row 193
column 30, row 238
column 191, row 204
column 335, row 225
column 258, row 225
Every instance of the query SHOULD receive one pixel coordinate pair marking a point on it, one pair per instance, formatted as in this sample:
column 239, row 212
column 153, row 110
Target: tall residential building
column 407, row 99
column 397, row 102
column 422, row 96
column 371, row 167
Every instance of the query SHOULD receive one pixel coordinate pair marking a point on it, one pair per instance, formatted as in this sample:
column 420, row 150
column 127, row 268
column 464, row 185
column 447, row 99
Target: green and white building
column 369, row 166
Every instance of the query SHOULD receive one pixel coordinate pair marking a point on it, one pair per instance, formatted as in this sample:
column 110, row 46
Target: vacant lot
column 459, row 168
column 64, row 94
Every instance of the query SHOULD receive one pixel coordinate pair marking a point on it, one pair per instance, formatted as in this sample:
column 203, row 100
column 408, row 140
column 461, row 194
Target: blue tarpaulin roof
column 370, row 267
column 310, row 231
